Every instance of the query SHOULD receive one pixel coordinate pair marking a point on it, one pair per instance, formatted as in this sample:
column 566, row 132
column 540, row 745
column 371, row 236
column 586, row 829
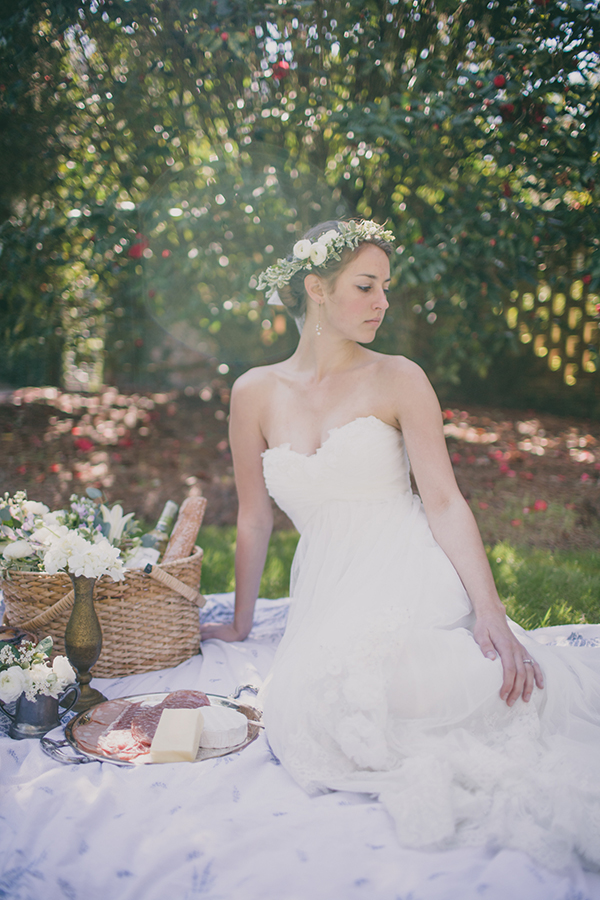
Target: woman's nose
column 381, row 301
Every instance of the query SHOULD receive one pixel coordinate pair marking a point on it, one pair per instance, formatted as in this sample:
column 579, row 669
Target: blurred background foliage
column 157, row 155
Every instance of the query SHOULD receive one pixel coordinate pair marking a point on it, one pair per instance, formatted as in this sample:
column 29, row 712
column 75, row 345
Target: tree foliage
column 157, row 155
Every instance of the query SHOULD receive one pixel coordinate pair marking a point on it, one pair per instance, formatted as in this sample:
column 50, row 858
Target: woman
column 399, row 673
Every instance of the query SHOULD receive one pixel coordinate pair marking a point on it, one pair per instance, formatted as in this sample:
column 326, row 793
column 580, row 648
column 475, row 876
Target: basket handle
column 175, row 584
column 67, row 601
column 49, row 614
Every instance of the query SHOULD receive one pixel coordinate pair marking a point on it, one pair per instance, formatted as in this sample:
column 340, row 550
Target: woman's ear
column 314, row 287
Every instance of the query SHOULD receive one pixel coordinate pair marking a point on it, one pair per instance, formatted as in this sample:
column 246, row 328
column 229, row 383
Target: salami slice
column 145, row 723
column 88, row 735
column 185, row 700
column 126, row 717
column 106, row 713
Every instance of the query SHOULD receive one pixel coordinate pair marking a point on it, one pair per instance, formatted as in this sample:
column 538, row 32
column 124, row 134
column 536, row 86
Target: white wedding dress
column 378, row 685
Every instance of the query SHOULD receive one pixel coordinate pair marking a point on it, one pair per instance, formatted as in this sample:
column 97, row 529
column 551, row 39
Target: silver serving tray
column 69, row 751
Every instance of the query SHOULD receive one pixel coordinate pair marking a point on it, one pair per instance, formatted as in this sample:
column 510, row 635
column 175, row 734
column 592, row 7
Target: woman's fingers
column 529, row 681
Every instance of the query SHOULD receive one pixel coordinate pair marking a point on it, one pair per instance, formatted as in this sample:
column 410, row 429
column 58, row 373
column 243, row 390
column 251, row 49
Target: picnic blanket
column 236, row 826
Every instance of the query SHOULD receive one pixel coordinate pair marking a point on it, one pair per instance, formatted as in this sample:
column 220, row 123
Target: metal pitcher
column 33, row 718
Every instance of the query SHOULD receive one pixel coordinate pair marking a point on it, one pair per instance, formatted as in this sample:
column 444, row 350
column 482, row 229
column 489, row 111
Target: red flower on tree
column 136, row 251
column 84, row 444
column 281, row 69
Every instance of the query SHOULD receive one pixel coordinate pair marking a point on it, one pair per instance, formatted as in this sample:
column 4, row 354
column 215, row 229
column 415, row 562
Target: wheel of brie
column 223, row 727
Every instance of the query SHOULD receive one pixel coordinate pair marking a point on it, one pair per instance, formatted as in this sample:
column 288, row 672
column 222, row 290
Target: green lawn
column 218, row 566
column 539, row 587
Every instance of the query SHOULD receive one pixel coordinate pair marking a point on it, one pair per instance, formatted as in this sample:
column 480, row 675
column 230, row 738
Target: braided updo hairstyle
column 293, row 295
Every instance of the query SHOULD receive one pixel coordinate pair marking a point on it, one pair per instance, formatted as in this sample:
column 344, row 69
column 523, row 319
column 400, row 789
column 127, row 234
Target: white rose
column 18, row 550
column 63, row 670
column 12, row 684
column 318, row 253
column 302, row 249
column 328, row 236
column 34, row 508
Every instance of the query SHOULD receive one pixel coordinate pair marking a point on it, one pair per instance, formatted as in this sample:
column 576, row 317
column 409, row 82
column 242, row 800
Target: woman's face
column 356, row 303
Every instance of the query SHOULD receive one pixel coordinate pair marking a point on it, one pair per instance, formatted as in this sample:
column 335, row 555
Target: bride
column 399, row 673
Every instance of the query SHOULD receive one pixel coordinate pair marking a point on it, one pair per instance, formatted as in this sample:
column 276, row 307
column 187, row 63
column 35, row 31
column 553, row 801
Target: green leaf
column 45, row 645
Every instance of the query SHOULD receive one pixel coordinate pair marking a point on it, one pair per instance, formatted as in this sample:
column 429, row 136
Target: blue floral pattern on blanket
column 270, row 616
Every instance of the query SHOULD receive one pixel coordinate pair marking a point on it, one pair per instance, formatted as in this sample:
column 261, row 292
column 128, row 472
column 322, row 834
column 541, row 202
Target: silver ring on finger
column 530, row 661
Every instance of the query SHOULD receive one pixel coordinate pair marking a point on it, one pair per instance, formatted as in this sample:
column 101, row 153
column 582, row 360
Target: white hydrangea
column 48, row 531
column 12, row 683
column 72, row 553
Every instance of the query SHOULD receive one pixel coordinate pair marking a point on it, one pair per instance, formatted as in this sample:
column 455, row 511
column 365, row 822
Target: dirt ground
column 529, row 477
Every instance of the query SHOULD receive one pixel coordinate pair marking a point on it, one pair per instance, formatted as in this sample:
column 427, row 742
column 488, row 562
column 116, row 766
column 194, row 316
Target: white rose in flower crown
column 12, row 684
column 18, row 550
column 318, row 253
column 328, row 236
column 302, row 249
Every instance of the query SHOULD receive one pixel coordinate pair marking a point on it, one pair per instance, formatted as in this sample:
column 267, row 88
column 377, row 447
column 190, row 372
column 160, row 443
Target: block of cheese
column 223, row 727
column 177, row 736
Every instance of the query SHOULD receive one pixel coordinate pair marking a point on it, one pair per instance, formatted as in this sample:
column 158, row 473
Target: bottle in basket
column 159, row 536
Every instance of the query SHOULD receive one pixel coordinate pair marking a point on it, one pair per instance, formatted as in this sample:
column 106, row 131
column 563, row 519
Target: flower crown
column 307, row 253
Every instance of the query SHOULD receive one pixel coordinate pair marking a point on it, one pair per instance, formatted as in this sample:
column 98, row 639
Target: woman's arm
column 455, row 530
column 255, row 515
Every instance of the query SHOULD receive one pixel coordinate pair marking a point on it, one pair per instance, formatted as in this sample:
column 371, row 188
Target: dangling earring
column 319, row 327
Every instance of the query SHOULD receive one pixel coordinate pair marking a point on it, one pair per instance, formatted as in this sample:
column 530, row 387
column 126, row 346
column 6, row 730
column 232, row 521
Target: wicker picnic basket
column 146, row 624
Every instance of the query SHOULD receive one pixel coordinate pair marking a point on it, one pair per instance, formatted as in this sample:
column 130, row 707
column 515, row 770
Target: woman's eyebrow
column 374, row 277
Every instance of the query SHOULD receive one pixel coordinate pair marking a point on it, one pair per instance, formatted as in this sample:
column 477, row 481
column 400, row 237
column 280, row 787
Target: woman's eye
column 364, row 287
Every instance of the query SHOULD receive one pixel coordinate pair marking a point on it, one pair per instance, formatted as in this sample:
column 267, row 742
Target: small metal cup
column 33, row 718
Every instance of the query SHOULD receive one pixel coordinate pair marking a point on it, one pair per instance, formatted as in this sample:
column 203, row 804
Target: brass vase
column 83, row 640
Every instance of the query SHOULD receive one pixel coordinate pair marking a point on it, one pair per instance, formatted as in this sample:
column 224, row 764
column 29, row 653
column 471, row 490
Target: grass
column 218, row 567
column 543, row 587
column 539, row 586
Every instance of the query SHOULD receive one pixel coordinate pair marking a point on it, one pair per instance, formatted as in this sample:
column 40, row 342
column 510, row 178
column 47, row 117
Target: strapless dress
column 378, row 685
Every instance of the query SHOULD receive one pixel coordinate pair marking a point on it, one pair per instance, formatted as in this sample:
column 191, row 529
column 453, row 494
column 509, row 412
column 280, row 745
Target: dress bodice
column 362, row 461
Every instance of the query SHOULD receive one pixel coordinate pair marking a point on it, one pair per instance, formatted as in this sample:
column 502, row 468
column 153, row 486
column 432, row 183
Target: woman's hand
column 225, row 631
column 495, row 638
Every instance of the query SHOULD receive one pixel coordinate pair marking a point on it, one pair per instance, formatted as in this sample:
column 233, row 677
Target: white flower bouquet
column 26, row 669
column 86, row 538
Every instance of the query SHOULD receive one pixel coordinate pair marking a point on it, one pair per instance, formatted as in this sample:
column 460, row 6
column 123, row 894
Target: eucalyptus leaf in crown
column 307, row 254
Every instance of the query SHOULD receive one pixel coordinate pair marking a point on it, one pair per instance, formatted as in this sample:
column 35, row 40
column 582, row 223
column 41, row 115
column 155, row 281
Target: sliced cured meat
column 121, row 744
column 185, row 700
column 106, row 713
column 125, row 718
column 88, row 735
column 145, row 723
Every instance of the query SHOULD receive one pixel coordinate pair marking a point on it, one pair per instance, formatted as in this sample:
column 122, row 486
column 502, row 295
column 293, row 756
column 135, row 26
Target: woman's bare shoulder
column 257, row 379
column 400, row 368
